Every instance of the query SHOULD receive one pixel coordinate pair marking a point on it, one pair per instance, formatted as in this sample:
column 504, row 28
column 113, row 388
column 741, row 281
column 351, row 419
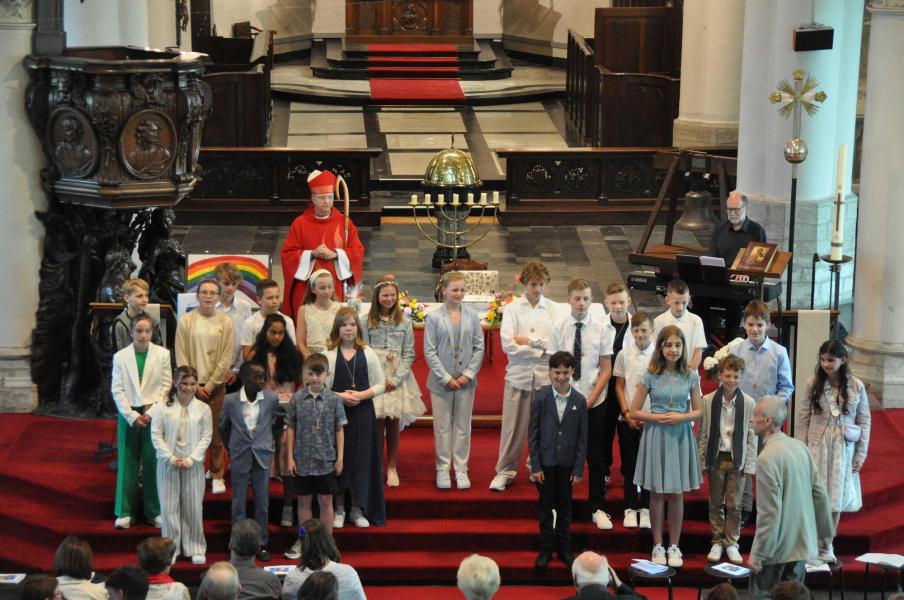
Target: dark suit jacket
column 242, row 445
column 552, row 443
column 600, row 592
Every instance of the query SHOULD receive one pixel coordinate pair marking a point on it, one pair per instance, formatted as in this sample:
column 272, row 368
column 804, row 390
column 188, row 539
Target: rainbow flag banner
column 253, row 267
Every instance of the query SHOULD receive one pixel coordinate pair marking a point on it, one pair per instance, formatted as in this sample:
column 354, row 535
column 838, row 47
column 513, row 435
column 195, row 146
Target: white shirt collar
column 585, row 321
column 680, row 319
column 646, row 351
column 558, row 395
column 764, row 346
column 542, row 302
column 244, row 397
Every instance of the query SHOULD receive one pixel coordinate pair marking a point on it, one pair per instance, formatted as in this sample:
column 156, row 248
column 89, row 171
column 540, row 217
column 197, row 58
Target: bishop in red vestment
column 317, row 240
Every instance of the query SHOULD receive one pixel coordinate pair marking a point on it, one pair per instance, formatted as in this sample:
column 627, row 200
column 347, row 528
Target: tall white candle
column 413, row 200
column 838, row 227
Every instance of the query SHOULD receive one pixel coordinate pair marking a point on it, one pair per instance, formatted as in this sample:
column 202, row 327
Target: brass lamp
column 452, row 168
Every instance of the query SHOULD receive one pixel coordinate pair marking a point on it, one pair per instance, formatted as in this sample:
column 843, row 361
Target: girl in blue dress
column 667, row 463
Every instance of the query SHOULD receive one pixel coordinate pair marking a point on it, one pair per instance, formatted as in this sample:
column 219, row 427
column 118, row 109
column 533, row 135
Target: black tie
column 577, row 351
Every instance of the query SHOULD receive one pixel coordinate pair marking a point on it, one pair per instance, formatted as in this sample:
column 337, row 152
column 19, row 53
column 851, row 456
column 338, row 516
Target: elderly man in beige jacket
column 792, row 504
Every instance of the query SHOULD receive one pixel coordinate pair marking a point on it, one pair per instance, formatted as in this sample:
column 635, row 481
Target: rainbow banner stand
column 253, row 267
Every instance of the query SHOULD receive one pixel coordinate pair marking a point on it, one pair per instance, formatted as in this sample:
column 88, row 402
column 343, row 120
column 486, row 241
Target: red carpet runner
column 415, row 91
column 414, row 74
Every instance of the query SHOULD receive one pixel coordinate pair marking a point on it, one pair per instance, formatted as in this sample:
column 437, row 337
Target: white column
column 763, row 173
column 20, row 232
column 878, row 333
column 711, row 38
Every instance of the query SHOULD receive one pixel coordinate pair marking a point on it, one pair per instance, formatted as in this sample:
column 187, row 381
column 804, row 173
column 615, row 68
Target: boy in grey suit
column 246, row 426
column 557, row 441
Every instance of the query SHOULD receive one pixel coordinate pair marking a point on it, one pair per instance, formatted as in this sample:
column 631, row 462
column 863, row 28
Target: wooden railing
column 258, row 186
column 581, row 83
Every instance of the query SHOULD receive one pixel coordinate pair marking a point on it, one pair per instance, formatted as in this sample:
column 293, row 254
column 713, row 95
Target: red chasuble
column 308, row 232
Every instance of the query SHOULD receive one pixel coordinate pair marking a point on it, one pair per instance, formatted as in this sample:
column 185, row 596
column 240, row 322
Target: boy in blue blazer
column 557, row 441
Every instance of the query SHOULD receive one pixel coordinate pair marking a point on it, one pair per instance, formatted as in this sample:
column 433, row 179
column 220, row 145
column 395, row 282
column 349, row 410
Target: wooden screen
column 411, row 21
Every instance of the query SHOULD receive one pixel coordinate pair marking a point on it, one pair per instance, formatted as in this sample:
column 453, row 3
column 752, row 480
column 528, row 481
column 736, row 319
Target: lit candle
column 427, row 201
column 413, row 200
column 838, row 230
column 441, row 200
column 495, row 197
column 483, row 198
column 455, row 201
column 470, row 201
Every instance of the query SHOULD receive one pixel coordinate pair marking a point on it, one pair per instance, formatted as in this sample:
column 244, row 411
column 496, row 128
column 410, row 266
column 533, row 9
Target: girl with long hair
column 316, row 313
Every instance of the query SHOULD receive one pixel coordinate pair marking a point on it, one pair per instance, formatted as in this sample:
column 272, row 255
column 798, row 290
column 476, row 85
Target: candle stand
column 835, row 269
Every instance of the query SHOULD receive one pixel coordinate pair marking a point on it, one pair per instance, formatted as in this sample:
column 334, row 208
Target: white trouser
column 515, row 422
column 452, row 427
column 181, row 497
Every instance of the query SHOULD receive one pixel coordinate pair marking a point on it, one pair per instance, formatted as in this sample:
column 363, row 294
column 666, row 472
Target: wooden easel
column 684, row 160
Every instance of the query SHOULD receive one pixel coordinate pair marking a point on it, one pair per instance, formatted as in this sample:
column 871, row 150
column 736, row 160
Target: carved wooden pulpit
column 409, row 21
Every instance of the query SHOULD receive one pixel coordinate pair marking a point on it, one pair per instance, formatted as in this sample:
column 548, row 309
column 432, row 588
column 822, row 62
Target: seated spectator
column 723, row 591
column 41, row 587
column 594, row 578
column 791, row 590
column 478, row 577
column 127, row 583
column 244, row 544
column 155, row 556
column 319, row 553
column 221, row 582
column 321, row 585
column 73, row 565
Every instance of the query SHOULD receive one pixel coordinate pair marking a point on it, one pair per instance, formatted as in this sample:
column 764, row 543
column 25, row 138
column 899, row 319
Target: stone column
column 763, row 173
column 710, row 73
column 20, row 232
column 878, row 333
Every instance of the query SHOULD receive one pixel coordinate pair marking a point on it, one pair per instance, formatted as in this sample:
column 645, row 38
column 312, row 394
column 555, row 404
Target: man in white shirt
column 590, row 341
column 678, row 298
column 526, row 322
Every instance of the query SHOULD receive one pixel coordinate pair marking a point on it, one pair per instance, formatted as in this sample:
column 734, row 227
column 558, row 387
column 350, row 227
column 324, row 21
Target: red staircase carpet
column 412, row 49
column 50, row 488
column 415, row 91
column 414, row 74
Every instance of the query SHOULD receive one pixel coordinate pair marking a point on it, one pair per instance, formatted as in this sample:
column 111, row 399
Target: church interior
column 603, row 138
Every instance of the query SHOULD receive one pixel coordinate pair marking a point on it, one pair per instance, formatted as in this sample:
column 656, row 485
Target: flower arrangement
column 496, row 307
column 711, row 363
column 411, row 307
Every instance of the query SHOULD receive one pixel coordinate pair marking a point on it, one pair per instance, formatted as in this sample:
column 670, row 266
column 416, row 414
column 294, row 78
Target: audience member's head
column 40, row 587
column 317, row 547
column 320, row 585
column 245, row 540
column 73, row 558
column 220, row 583
column 791, row 590
column 155, row 555
column 723, row 591
column 478, row 577
column 589, row 568
column 128, row 582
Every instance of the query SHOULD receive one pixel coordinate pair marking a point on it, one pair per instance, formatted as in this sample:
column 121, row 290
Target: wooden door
column 409, row 21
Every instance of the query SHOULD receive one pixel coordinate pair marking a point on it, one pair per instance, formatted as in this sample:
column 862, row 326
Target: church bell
column 698, row 212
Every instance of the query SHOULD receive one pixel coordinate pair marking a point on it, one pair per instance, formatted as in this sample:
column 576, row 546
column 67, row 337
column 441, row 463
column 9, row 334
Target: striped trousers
column 181, row 499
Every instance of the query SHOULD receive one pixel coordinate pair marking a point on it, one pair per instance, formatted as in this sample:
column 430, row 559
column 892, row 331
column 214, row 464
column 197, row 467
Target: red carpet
column 412, row 49
column 416, row 91
column 421, row 60
column 50, row 488
column 419, row 72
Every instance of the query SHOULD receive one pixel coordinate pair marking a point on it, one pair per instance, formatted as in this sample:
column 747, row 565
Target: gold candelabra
column 454, row 215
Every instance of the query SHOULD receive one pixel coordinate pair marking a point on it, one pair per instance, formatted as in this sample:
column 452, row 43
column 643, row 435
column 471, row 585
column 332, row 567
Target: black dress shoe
column 264, row 555
column 566, row 557
column 745, row 518
column 542, row 561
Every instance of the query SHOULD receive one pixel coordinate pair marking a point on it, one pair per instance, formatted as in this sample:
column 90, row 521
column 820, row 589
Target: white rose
column 710, row 363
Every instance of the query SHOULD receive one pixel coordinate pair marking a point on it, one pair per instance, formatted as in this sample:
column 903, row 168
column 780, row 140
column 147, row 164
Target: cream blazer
column 165, row 426
column 374, row 369
column 156, row 382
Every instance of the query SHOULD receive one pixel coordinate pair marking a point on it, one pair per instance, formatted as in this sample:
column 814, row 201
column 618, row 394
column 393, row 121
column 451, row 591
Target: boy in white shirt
column 590, row 342
column 238, row 310
column 618, row 322
column 525, row 329
column 678, row 298
column 630, row 365
column 270, row 298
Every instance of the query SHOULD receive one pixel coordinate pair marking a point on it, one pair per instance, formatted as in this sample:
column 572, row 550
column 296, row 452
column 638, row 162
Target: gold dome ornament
column 796, row 151
column 452, row 168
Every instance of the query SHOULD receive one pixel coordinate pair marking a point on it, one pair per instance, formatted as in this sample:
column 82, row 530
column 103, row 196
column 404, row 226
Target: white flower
column 709, row 363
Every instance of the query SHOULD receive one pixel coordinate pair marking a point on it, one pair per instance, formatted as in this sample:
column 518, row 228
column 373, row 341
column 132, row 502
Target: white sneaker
column 158, row 522
column 461, row 481
column 715, row 553
column 827, row 554
column 658, row 555
column 122, row 523
column 218, row 486
column 198, row 559
column 443, row 480
column 674, row 556
column 358, row 518
column 734, row 555
column 602, row 520
column 499, row 483
column 339, row 520
column 644, row 521
column 630, row 518
column 295, row 551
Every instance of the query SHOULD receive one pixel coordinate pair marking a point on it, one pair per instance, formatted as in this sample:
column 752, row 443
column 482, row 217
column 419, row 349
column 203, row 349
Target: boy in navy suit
column 246, row 426
column 557, row 441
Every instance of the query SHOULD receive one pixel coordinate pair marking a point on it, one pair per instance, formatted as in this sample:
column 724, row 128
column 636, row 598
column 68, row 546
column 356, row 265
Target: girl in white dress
column 181, row 433
column 316, row 314
column 391, row 334
column 834, row 422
